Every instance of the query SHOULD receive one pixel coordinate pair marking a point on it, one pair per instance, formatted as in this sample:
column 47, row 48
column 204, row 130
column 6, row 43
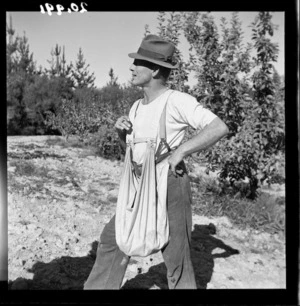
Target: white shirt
column 182, row 110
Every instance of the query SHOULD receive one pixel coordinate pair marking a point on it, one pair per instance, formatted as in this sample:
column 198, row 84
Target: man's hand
column 207, row 137
column 123, row 127
column 123, row 124
column 175, row 158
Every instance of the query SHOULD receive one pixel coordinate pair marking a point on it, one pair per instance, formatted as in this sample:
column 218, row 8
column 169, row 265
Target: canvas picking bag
column 142, row 226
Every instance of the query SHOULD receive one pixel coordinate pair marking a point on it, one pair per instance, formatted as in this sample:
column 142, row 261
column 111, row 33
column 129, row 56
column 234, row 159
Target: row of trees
column 239, row 83
column 35, row 92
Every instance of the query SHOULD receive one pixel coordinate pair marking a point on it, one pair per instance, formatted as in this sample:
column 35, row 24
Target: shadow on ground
column 202, row 245
column 64, row 273
column 70, row 273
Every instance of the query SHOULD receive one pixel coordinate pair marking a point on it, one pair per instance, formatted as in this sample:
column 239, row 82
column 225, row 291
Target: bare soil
column 59, row 200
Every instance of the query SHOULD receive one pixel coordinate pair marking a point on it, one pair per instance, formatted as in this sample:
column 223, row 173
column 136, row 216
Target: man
column 150, row 71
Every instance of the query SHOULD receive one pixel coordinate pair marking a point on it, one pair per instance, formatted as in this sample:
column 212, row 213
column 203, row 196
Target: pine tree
column 113, row 79
column 18, row 56
column 20, row 74
column 80, row 73
column 11, row 47
column 58, row 65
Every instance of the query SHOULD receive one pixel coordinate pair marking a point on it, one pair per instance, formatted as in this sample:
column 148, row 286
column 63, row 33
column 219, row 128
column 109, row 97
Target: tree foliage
column 32, row 93
column 19, row 74
column 253, row 151
column 59, row 68
column 170, row 29
column 218, row 63
column 92, row 113
column 80, row 72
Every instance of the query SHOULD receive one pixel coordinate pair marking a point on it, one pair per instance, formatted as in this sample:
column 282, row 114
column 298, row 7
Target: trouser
column 111, row 263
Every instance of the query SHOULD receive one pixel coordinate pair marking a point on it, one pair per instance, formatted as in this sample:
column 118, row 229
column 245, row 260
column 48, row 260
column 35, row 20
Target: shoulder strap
column 162, row 126
column 134, row 115
column 162, row 121
column 137, row 106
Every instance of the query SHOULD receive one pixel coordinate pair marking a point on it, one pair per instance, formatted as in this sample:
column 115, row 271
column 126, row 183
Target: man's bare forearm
column 211, row 134
column 205, row 139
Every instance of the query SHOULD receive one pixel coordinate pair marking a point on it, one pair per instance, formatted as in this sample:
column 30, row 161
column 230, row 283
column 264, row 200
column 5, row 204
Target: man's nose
column 132, row 67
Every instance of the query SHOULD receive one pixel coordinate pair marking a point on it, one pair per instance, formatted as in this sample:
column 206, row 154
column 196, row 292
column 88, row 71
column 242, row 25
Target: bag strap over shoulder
column 163, row 129
column 162, row 121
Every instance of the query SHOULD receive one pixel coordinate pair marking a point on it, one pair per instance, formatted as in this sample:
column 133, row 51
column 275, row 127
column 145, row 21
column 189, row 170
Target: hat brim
column 148, row 59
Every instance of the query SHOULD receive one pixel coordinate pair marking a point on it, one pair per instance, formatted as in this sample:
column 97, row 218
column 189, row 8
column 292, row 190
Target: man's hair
column 163, row 71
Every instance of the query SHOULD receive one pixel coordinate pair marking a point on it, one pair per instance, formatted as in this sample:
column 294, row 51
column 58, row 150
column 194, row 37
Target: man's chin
column 132, row 82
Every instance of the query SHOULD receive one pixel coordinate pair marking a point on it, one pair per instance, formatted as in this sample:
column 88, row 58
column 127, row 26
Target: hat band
column 154, row 55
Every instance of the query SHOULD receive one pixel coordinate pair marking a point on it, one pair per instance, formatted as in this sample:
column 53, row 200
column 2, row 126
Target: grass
column 266, row 213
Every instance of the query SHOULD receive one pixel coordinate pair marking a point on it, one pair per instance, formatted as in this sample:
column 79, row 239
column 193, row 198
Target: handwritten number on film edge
column 74, row 8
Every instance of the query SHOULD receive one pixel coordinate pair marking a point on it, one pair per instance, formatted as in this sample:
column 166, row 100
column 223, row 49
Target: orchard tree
column 234, row 63
column 279, row 99
column 169, row 27
column 268, row 115
column 218, row 63
column 202, row 34
column 255, row 151
column 92, row 113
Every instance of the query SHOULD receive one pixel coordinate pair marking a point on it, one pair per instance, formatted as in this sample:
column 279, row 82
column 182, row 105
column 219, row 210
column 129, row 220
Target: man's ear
column 155, row 71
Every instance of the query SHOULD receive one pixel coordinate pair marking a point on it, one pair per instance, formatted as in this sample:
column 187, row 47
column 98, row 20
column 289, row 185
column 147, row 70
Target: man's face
column 141, row 72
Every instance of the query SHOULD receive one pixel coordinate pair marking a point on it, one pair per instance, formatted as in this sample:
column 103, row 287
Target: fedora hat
column 156, row 50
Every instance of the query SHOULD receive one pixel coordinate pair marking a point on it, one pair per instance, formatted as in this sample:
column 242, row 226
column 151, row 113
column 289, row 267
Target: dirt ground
column 63, row 198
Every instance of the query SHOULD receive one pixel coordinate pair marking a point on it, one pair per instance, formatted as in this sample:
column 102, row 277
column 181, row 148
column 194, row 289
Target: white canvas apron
column 142, row 226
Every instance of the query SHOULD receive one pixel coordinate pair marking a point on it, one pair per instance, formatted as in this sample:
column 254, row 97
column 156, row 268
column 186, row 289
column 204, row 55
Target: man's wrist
column 181, row 151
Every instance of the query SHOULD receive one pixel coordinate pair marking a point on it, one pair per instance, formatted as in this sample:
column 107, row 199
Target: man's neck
column 151, row 93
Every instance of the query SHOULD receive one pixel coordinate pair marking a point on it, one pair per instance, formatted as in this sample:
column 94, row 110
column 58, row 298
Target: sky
column 106, row 38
